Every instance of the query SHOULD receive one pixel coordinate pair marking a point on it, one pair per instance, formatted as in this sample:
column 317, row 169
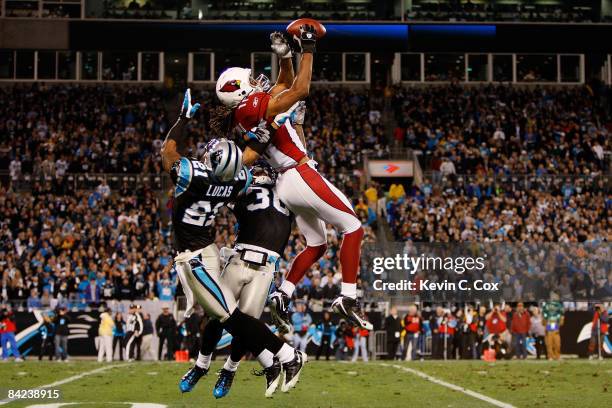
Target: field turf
column 572, row 383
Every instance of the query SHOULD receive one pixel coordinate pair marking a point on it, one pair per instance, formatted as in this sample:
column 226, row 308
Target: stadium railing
column 544, row 182
column 90, row 181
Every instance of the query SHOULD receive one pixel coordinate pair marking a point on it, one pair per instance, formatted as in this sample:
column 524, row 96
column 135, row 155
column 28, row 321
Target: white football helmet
column 235, row 84
column 224, row 159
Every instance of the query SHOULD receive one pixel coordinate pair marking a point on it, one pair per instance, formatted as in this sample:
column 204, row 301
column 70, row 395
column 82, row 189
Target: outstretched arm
column 169, row 149
column 300, row 87
column 281, row 48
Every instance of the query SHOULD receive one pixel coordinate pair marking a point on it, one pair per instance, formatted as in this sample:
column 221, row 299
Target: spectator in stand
column 34, row 302
column 165, row 288
column 330, row 289
column 326, row 329
column 7, row 336
column 92, row 292
column 537, row 331
column 552, row 313
column 397, row 192
column 105, row 333
column 62, row 331
column 599, row 330
column 412, row 331
column 521, row 324
column 301, row 321
column 393, row 329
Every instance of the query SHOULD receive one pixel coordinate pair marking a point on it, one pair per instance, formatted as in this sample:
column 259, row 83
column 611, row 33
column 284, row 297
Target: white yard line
column 443, row 383
column 69, row 379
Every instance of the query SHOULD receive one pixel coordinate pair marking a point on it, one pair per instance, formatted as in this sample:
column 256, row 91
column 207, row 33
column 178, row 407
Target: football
column 294, row 27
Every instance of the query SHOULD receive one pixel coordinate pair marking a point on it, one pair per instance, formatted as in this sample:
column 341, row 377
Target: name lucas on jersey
column 219, row 191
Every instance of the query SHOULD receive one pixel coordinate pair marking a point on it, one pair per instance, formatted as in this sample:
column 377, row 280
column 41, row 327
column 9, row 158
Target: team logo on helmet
column 231, row 86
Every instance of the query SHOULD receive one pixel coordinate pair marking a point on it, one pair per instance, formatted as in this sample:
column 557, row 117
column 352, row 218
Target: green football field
column 573, row 383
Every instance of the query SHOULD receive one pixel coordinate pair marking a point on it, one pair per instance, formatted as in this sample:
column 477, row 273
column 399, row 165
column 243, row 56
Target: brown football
column 294, row 27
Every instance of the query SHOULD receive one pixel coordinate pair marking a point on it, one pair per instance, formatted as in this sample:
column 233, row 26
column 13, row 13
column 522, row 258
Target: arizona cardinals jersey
column 263, row 220
column 197, row 199
column 285, row 148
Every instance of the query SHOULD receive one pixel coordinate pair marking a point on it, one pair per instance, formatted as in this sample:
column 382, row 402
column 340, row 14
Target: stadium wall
column 342, row 36
column 84, row 328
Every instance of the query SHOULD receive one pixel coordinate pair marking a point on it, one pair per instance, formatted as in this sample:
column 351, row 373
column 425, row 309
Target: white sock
column 287, row 287
column 349, row 290
column 203, row 361
column 231, row 365
column 266, row 358
column 286, row 353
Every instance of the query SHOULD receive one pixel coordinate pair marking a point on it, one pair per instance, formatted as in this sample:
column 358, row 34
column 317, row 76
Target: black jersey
column 263, row 220
column 197, row 199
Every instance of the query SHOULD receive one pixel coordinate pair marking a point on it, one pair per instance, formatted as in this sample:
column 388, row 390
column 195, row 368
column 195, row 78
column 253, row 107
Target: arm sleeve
column 258, row 146
column 177, row 130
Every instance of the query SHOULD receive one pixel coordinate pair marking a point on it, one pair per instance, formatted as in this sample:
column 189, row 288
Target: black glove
column 307, row 39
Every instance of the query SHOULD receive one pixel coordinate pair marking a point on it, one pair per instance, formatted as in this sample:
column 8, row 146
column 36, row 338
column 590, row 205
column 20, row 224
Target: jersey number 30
column 263, row 197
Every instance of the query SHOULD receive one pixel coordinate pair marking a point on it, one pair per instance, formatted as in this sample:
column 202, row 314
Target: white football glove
column 300, row 112
column 280, row 46
column 187, row 108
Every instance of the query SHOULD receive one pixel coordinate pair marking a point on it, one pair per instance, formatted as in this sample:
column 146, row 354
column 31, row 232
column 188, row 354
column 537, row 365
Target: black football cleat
column 292, row 370
column 349, row 308
column 273, row 376
column 191, row 378
column 279, row 309
column 224, row 383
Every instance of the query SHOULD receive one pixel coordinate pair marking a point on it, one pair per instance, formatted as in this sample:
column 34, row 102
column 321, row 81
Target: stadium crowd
column 59, row 240
column 61, row 243
column 456, row 10
column 66, row 246
column 504, row 130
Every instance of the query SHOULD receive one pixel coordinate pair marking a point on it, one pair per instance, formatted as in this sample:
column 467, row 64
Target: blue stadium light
column 474, row 30
column 370, row 31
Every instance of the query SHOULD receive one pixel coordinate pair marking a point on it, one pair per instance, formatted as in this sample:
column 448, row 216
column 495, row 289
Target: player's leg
column 233, row 278
column 329, row 204
column 253, row 285
column 201, row 276
column 313, row 230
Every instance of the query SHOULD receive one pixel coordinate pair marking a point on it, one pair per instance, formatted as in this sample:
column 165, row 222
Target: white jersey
column 285, row 149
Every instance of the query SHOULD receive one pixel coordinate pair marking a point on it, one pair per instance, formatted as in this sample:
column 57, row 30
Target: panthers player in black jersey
column 264, row 226
column 201, row 189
